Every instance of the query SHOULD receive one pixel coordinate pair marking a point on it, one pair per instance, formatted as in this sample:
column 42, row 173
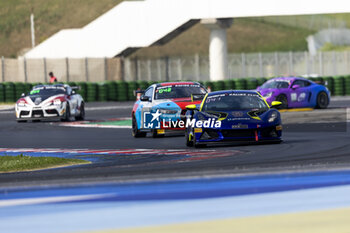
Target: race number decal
column 293, row 97
column 301, row 97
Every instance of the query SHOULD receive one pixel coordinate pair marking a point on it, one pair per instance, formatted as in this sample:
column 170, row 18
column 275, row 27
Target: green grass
column 332, row 47
column 118, row 123
column 50, row 17
column 245, row 35
column 27, row 163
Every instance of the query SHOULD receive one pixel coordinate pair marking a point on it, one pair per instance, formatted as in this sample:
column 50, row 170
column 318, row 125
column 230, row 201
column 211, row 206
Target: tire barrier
column 19, row 89
column 91, row 92
column 339, row 85
column 252, row 83
column 82, row 89
column 330, row 84
column 10, row 92
column 132, row 86
column 102, row 92
column 124, row 91
column 347, row 84
column 2, row 92
column 241, row 84
column 229, row 84
column 218, row 86
column 112, row 91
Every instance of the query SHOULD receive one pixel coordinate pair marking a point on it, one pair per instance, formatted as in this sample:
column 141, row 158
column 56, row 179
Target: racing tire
column 322, row 100
column 81, row 116
column 66, row 114
column 195, row 143
column 156, row 135
column 283, row 100
column 189, row 142
column 135, row 132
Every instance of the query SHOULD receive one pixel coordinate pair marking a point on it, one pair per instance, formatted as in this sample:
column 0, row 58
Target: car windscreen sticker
column 165, row 90
column 36, row 91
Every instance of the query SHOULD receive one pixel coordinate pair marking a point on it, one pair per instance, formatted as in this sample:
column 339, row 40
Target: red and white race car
column 50, row 102
column 162, row 104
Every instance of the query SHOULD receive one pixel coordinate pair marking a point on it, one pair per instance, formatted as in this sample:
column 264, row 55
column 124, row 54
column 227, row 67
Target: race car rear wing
column 196, row 97
column 76, row 87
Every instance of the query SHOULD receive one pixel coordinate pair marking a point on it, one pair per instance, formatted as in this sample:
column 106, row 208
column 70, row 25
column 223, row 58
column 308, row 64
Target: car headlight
column 273, row 116
column 168, row 111
column 57, row 102
column 268, row 95
column 21, row 103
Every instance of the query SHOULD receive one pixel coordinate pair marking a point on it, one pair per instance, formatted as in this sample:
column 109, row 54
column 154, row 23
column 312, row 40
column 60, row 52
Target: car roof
column 176, row 83
column 292, row 78
column 48, row 85
column 230, row 91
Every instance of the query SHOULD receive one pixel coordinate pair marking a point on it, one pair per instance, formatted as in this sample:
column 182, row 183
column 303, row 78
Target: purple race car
column 295, row 92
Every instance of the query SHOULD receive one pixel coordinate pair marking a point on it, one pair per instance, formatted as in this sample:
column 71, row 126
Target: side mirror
column 191, row 107
column 23, row 95
column 276, row 104
column 138, row 92
column 144, row 98
column 295, row 86
column 76, row 88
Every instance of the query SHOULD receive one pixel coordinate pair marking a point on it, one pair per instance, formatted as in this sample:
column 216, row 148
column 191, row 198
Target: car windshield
column 178, row 91
column 234, row 101
column 46, row 92
column 276, row 84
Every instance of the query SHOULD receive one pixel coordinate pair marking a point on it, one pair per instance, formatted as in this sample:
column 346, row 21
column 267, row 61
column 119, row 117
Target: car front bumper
column 30, row 113
column 208, row 135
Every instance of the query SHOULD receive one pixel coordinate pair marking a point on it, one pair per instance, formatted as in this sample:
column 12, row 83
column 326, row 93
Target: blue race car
column 226, row 116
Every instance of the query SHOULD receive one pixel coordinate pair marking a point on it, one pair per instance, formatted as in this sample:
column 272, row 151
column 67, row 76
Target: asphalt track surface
column 306, row 146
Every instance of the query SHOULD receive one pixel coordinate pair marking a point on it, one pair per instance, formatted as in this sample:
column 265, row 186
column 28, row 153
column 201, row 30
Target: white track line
column 33, row 201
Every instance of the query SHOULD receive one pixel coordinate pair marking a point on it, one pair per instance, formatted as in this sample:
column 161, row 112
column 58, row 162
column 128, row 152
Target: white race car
column 49, row 102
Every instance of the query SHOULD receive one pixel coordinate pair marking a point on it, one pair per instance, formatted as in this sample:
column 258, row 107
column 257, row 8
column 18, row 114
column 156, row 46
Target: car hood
column 179, row 103
column 244, row 119
column 41, row 100
column 238, row 115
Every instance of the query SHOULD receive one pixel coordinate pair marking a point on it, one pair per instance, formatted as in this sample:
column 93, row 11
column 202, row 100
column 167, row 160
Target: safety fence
column 194, row 68
column 66, row 70
column 124, row 91
column 239, row 66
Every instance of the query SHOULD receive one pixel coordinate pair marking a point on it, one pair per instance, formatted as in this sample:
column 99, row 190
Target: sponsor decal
column 237, row 114
column 151, row 120
column 240, row 126
column 154, row 120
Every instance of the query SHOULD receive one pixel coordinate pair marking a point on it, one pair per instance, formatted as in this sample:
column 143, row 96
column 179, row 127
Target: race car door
column 300, row 94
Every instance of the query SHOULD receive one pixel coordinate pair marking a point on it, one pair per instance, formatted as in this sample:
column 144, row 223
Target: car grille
column 209, row 134
column 235, row 133
column 51, row 111
column 24, row 113
column 268, row 132
column 37, row 113
column 250, row 133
